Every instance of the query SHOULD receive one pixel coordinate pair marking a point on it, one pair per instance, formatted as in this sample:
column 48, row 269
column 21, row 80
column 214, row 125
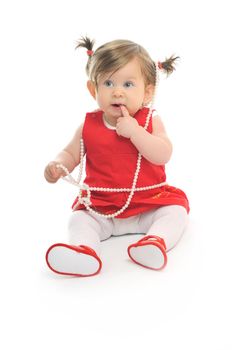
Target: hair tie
column 160, row 65
column 90, row 53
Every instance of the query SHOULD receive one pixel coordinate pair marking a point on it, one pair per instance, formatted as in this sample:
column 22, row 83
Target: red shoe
column 70, row 260
column 149, row 252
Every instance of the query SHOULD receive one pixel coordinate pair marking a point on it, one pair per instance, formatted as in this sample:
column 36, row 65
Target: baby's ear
column 92, row 89
column 149, row 91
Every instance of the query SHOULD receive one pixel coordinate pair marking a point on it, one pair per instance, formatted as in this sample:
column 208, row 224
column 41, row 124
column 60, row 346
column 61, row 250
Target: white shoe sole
column 68, row 261
column 148, row 255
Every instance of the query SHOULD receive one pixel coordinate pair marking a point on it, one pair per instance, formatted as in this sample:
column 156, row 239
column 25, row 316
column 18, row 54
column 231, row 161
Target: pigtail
column 168, row 66
column 88, row 44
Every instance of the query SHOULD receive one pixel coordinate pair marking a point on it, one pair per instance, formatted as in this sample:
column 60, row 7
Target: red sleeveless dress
column 111, row 162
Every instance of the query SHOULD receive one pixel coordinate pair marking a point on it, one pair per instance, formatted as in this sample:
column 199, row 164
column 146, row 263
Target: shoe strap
column 88, row 249
column 153, row 238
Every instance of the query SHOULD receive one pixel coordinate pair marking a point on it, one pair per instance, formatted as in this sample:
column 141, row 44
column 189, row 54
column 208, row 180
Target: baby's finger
column 124, row 111
column 53, row 171
column 118, row 120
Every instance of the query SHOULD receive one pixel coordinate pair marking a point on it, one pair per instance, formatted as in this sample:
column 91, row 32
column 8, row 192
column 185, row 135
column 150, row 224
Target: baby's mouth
column 117, row 105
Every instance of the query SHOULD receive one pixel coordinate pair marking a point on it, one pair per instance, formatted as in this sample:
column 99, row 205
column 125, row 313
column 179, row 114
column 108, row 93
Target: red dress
column 111, row 162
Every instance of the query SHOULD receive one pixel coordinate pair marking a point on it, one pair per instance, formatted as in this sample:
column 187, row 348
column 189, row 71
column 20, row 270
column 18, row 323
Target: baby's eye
column 128, row 84
column 108, row 83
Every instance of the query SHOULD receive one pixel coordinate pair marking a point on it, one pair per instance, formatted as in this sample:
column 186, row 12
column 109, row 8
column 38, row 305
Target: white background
column 43, row 100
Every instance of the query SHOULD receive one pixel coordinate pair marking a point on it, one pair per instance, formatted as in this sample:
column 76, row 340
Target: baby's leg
column 167, row 222
column 163, row 227
column 84, row 229
column 81, row 256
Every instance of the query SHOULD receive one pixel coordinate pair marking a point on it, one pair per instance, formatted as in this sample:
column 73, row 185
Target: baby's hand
column 52, row 173
column 126, row 125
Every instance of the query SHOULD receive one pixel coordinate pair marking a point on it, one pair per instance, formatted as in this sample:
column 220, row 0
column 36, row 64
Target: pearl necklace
column 84, row 187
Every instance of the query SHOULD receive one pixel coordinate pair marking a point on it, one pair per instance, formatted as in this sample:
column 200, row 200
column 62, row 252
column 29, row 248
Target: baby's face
column 124, row 87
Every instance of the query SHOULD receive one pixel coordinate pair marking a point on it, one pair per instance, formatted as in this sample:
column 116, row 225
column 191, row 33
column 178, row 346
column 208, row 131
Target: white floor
column 185, row 306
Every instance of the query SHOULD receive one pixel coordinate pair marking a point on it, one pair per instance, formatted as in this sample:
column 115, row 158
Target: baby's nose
column 118, row 92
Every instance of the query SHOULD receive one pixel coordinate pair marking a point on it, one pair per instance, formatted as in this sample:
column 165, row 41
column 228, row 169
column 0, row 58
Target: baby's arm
column 69, row 157
column 155, row 147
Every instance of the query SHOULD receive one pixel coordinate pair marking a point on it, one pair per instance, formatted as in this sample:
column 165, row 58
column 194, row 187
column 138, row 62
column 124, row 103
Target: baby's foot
column 79, row 260
column 150, row 252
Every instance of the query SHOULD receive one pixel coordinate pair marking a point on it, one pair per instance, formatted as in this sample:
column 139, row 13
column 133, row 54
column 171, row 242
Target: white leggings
column 167, row 222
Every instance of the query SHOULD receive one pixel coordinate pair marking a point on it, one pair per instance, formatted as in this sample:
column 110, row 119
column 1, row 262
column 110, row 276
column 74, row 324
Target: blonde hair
column 116, row 54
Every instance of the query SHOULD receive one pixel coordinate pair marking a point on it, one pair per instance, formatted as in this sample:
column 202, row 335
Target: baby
column 126, row 148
